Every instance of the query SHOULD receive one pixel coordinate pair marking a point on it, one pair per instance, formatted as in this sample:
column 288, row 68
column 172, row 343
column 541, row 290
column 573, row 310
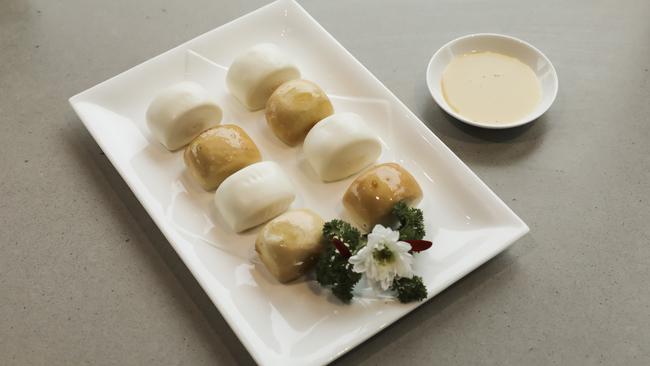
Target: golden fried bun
column 219, row 152
column 371, row 197
column 294, row 108
column 290, row 244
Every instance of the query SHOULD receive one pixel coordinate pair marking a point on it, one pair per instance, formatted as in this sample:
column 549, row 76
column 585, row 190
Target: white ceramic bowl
column 505, row 45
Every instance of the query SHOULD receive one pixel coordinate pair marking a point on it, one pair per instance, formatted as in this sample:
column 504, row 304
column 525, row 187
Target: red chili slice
column 342, row 248
column 419, row 245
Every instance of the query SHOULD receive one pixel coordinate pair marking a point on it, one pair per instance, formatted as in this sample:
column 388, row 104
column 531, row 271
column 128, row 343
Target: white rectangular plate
column 293, row 324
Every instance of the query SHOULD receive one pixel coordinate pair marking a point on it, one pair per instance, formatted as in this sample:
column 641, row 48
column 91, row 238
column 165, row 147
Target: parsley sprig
column 332, row 269
column 410, row 222
column 409, row 289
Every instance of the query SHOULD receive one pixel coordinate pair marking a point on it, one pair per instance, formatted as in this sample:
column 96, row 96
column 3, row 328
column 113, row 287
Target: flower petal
column 382, row 273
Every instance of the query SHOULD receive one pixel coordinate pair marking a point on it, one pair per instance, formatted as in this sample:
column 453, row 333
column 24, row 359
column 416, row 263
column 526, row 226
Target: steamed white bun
column 181, row 112
column 256, row 73
column 341, row 145
column 254, row 195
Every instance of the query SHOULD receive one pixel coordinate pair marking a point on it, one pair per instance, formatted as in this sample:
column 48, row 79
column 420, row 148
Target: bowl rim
column 445, row 106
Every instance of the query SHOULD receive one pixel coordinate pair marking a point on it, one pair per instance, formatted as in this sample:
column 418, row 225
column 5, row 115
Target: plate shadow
column 482, row 146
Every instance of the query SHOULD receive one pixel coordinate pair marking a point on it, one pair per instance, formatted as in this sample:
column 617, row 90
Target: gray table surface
column 87, row 278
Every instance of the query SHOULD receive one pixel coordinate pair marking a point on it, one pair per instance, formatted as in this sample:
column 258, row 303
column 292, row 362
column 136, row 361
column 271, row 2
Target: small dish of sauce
column 492, row 80
column 490, row 87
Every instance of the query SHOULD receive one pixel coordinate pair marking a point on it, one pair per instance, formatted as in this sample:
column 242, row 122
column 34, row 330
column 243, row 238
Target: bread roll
column 289, row 244
column 219, row 152
column 254, row 195
column 294, row 108
column 257, row 72
column 181, row 112
column 371, row 197
column 341, row 145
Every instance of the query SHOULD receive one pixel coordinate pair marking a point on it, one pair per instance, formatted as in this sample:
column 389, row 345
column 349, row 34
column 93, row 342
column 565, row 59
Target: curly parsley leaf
column 332, row 269
column 411, row 221
column 344, row 232
column 409, row 289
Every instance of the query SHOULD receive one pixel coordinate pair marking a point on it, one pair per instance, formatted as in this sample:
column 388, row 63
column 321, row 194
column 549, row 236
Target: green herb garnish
column 411, row 221
column 343, row 231
column 332, row 269
column 409, row 289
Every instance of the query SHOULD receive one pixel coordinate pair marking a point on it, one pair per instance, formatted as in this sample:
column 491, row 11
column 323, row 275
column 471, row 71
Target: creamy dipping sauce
column 490, row 87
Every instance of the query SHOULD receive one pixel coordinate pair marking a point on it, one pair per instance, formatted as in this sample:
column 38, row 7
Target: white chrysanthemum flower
column 383, row 258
